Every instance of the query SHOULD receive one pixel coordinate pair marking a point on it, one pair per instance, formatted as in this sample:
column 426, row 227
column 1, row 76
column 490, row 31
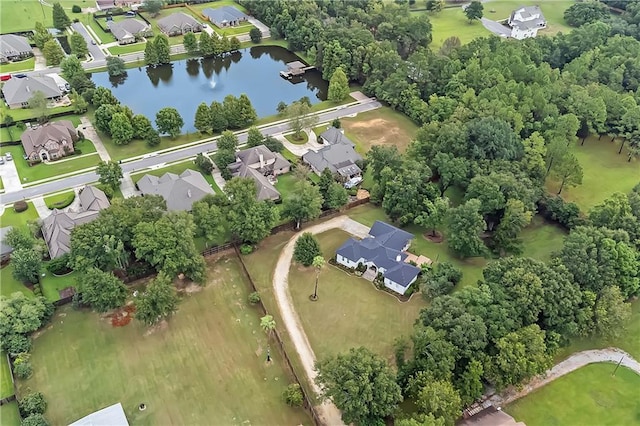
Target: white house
column 526, row 21
column 383, row 251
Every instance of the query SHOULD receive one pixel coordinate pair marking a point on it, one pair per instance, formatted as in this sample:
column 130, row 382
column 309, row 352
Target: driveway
column 10, row 178
column 94, row 49
column 328, row 412
column 90, row 133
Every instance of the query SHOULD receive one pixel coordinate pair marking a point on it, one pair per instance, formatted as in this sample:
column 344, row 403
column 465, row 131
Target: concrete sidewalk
column 127, row 187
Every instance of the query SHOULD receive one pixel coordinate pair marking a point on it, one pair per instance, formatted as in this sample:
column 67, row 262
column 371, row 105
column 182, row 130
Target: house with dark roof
column 263, row 166
column 179, row 23
column 382, row 251
column 14, row 48
column 225, row 16
column 526, row 21
column 51, row 141
column 18, row 91
column 339, row 155
column 129, row 30
column 179, row 191
column 5, row 249
column 57, row 227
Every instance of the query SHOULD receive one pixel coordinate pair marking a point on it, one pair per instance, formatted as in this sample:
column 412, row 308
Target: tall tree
column 70, row 67
column 611, row 312
column 161, row 46
column 218, row 117
column 101, row 290
column 150, row 53
column 304, row 203
column 440, row 399
column 209, row 221
column 306, row 249
column 246, row 111
column 249, row 219
column 53, row 53
column 336, row 196
column 361, row 384
column 568, row 171
column 158, row 301
column 515, row 219
column 190, row 43
column 338, row 86
column 203, row 117
column 27, row 264
column 168, row 120
column 78, row 45
column 121, row 129
column 110, row 173
column 60, row 19
column 141, row 126
column 102, row 96
column 206, row 44
column 465, row 223
column 473, row 10
column 300, row 118
column 115, row 66
column 433, row 214
column 41, row 35
column 153, row 7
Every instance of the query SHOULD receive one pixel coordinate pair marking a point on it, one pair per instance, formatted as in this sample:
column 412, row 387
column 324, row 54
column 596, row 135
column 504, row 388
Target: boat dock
column 295, row 69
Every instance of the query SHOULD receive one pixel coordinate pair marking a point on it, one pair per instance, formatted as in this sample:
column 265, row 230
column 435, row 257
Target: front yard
column 26, row 65
column 206, row 363
column 11, row 218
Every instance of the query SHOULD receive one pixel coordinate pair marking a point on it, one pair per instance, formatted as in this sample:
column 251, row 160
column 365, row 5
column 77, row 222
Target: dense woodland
column 498, row 118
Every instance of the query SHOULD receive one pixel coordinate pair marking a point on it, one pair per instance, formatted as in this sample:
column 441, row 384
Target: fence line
column 13, row 384
column 308, row 405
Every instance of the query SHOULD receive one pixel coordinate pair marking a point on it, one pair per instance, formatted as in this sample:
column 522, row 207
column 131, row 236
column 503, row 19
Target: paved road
column 98, row 55
column 207, row 145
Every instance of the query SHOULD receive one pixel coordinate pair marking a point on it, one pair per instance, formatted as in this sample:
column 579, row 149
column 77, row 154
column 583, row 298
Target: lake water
column 187, row 83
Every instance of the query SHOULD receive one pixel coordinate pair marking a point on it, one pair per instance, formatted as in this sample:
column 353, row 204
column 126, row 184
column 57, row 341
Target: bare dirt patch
column 161, row 326
column 378, row 131
column 122, row 316
column 438, row 238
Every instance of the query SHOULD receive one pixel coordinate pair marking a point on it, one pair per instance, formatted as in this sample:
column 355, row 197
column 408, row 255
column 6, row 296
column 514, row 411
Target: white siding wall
column 393, row 286
column 346, row 262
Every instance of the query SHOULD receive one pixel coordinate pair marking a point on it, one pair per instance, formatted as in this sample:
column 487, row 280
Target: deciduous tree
column 168, row 120
column 110, row 173
column 203, row 117
column 158, row 302
column 611, row 312
column 209, row 221
column 255, row 34
column 515, row 219
column 306, row 249
column 153, row 7
column 78, row 45
column 300, row 118
column 101, row 290
column 336, row 196
column 115, row 66
column 218, row 117
column 465, row 223
column 441, row 399
column 121, row 129
column 249, row 219
column 53, row 53
column 303, row 203
column 254, row 137
column 227, row 141
column 473, row 11
column 190, row 43
column 27, row 264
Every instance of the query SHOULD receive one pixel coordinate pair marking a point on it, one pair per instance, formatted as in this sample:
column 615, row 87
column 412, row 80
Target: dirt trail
column 575, row 361
column 327, row 411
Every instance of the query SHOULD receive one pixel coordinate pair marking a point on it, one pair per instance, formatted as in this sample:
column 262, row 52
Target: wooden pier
column 295, row 69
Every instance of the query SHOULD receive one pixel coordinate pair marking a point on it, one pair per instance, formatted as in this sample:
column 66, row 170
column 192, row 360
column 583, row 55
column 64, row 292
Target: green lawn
column 11, row 218
column 605, row 172
column 21, row 15
column 26, row 65
column 6, row 385
column 286, row 183
column 541, row 238
column 24, row 114
column 9, row 414
column 10, row 134
column 137, row 147
column 104, row 36
column 10, row 285
column 40, row 171
column 452, row 21
column 350, row 311
column 53, row 199
column 128, row 48
column 51, row 284
column 304, row 139
column 189, row 371
column 587, row 396
column 233, row 31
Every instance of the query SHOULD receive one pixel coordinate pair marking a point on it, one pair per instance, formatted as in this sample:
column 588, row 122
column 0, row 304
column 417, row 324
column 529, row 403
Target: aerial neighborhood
column 319, row 212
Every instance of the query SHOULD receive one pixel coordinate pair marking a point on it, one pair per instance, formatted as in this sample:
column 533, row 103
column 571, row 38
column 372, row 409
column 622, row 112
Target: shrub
column 293, row 395
column 203, row 163
column 254, row 298
column 306, row 248
column 21, row 125
column 59, row 265
column 76, row 9
column 35, row 420
column 246, row 249
column 440, row 280
column 16, row 344
column 34, row 403
column 567, row 215
column 22, row 366
column 65, row 202
column 20, row 206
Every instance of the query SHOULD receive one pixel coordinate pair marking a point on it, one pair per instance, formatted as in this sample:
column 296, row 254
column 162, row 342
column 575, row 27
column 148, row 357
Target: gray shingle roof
column 5, row 248
column 13, row 45
column 180, row 192
column 339, row 158
column 223, row 14
column 127, row 28
column 179, row 21
column 532, row 17
column 20, row 90
column 334, row 136
column 264, row 189
column 34, row 139
column 110, row 416
column 390, row 236
column 57, row 227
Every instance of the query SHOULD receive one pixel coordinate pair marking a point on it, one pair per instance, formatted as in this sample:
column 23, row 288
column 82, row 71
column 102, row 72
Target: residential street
column 152, row 159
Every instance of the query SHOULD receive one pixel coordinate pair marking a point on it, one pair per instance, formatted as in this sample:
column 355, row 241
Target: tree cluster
column 210, row 46
column 232, row 113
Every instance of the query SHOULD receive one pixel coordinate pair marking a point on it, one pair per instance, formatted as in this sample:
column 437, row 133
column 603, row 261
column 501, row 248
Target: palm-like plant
column 268, row 324
column 318, row 263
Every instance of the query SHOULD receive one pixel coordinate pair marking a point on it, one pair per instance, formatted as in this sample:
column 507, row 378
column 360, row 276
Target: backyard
column 6, row 385
column 350, row 311
column 588, row 396
column 190, row 371
column 50, row 283
column 21, row 15
column 9, row 414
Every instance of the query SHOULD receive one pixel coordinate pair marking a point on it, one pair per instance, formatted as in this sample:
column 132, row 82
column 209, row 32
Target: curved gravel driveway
column 327, row 411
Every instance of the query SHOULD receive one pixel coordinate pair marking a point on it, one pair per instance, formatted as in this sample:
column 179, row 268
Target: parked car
column 5, row 77
column 8, row 156
column 1, row 161
column 20, row 75
column 93, row 42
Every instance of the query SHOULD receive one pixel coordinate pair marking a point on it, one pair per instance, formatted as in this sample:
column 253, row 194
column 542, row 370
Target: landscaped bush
column 246, row 249
column 440, row 280
column 22, row 366
column 306, row 249
column 65, row 202
column 34, row 403
column 76, row 9
column 254, row 298
column 107, row 189
column 554, row 208
column 35, row 420
column 20, row 206
column 16, row 344
column 293, row 395
column 59, row 265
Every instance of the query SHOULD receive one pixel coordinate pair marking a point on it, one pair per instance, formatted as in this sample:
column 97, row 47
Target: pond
column 187, row 83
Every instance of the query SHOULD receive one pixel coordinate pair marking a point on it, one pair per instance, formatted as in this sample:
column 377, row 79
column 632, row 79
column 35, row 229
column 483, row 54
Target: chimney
column 189, row 193
column 261, row 160
column 398, row 258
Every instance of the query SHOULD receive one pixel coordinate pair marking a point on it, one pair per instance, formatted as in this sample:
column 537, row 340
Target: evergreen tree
column 203, row 118
column 60, row 19
column 161, row 45
column 150, row 54
column 338, row 86
column 53, row 53
column 78, row 45
column 218, row 117
column 206, row 44
column 190, row 43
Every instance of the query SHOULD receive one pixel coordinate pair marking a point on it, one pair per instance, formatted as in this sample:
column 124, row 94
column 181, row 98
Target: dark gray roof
column 57, row 227
column 252, row 156
column 264, row 189
column 223, row 14
column 127, row 28
column 334, row 136
column 389, row 235
column 5, row 248
column 295, row 65
column 180, row 192
column 402, row 274
column 110, row 416
column 20, row 90
column 339, row 158
column 13, row 45
column 34, row 139
column 177, row 20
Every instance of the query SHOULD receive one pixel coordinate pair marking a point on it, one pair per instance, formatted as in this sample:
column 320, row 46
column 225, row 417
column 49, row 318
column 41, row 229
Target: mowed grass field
column 350, row 311
column 205, row 366
column 605, row 172
column 6, row 385
column 382, row 126
column 587, row 396
column 21, row 15
column 452, row 21
column 9, row 415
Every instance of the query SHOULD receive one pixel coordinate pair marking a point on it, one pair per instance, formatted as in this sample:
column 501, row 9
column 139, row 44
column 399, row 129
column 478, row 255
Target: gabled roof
column 110, row 416
column 127, row 28
column 339, row 158
column 5, row 248
column 180, row 192
column 334, row 136
column 178, row 20
column 33, row 139
column 57, row 227
column 264, row 189
column 12, row 45
column 389, row 235
column 20, row 90
column 252, row 155
column 526, row 17
column 223, row 14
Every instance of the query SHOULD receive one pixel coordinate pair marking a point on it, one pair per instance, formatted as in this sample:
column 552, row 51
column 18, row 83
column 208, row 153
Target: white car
column 8, row 156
